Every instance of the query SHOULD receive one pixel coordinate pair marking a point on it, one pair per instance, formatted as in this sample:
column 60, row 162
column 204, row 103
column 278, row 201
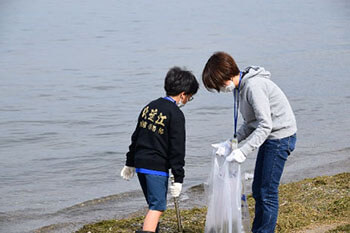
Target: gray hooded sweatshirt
column 265, row 109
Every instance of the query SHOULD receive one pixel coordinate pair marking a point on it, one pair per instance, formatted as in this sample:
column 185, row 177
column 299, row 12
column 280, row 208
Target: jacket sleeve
column 131, row 153
column 243, row 132
column 259, row 100
column 177, row 141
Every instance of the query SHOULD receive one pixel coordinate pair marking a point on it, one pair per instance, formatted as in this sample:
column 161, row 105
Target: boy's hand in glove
column 175, row 189
column 236, row 156
column 127, row 172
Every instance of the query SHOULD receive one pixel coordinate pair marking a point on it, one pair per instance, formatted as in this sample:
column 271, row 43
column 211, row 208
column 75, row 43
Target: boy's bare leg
column 151, row 220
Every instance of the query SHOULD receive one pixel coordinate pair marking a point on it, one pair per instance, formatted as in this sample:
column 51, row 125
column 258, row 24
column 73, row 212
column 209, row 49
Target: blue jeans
column 155, row 189
column 269, row 166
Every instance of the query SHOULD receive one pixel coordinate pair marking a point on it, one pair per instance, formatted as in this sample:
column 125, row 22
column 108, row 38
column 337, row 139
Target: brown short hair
column 219, row 68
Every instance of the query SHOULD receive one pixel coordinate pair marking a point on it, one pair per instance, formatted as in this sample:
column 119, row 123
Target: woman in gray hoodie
column 269, row 124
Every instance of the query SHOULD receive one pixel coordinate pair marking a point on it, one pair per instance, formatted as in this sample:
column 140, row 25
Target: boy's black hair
column 178, row 80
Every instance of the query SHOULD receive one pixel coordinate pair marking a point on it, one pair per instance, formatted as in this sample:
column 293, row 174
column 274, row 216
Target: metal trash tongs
column 176, row 203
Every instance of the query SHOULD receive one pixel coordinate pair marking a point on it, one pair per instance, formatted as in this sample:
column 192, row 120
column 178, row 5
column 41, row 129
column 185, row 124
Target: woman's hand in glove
column 236, row 156
column 222, row 148
column 127, row 172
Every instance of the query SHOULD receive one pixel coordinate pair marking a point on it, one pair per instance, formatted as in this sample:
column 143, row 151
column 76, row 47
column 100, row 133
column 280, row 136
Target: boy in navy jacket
column 158, row 144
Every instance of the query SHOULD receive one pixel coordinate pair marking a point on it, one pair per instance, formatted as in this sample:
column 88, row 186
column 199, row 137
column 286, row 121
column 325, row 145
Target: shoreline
column 311, row 202
column 192, row 197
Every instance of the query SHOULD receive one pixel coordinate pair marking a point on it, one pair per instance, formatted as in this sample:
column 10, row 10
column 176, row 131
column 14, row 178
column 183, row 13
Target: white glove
column 127, row 172
column 222, row 148
column 175, row 189
column 236, row 156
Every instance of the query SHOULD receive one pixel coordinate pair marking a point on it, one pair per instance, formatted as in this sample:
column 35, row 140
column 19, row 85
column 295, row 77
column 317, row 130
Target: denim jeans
column 269, row 166
column 155, row 189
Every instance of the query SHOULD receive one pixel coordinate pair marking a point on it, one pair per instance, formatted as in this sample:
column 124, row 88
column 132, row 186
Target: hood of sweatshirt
column 253, row 72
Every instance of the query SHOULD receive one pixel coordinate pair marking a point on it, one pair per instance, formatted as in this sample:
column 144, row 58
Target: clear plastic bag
column 224, row 197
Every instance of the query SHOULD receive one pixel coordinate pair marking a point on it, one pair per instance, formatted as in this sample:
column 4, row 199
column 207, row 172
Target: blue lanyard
column 170, row 99
column 236, row 104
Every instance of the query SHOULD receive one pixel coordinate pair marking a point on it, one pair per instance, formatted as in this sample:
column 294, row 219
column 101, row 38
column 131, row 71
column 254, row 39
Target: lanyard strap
column 236, row 104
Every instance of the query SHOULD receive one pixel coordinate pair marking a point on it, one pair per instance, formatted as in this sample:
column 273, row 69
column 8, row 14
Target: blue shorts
column 155, row 189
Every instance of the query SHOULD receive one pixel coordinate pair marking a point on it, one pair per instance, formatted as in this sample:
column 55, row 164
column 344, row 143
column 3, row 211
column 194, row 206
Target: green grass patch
column 308, row 202
column 341, row 229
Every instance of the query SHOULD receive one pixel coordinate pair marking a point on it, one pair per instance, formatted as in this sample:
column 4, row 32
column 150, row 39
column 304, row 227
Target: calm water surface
column 75, row 74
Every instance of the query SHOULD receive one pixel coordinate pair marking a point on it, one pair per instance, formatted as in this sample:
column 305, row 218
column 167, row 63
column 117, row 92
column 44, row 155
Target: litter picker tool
column 176, row 203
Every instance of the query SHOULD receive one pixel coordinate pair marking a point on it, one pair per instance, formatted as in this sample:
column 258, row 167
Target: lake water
column 75, row 74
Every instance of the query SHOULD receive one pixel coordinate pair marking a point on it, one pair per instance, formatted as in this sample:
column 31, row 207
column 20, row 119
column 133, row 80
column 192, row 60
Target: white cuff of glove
column 175, row 189
column 127, row 172
column 222, row 148
column 236, row 156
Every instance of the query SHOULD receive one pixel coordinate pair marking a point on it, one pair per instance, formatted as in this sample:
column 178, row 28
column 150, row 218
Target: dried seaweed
column 305, row 203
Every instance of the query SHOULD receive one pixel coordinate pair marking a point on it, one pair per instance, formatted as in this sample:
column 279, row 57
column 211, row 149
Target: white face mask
column 180, row 104
column 228, row 88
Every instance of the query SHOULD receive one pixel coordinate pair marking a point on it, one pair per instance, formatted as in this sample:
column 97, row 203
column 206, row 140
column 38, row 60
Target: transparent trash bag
column 224, row 197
